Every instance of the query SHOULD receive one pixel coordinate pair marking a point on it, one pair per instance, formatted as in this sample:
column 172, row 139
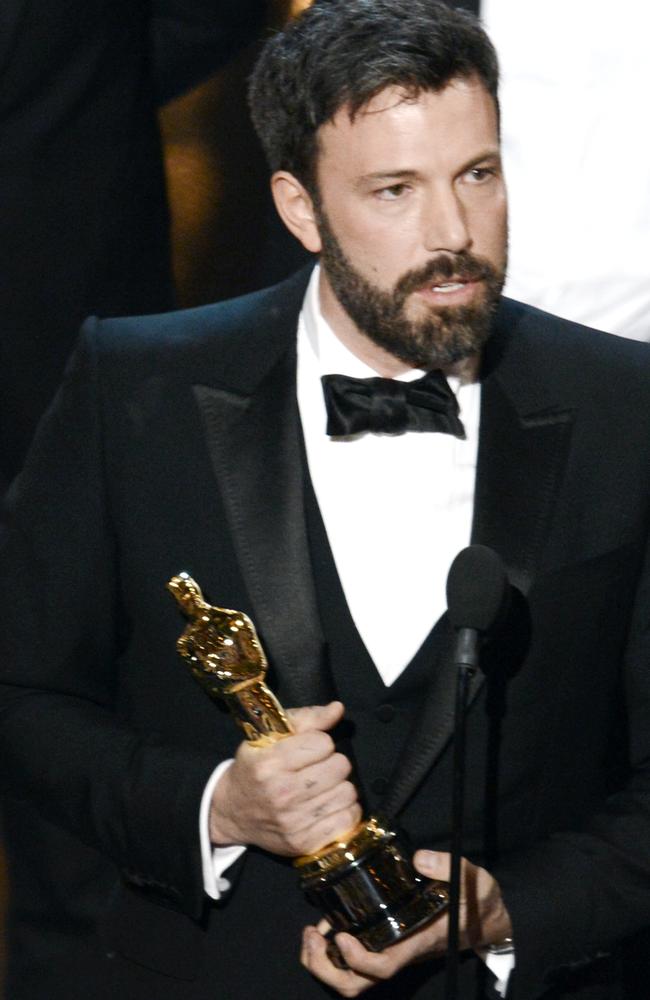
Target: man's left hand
column 484, row 920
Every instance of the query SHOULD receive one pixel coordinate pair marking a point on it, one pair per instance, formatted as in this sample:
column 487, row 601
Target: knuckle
column 384, row 972
column 384, row 967
column 342, row 763
column 324, row 743
column 350, row 794
column 296, row 844
column 298, row 717
column 321, row 837
column 354, row 814
column 287, row 827
column 261, row 770
column 297, row 744
column 282, row 796
column 305, row 718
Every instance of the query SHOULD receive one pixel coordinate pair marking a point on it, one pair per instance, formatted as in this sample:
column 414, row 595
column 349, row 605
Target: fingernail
column 426, row 860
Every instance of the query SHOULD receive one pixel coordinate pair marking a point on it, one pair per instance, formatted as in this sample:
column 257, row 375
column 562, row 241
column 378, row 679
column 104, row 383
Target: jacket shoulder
column 234, row 331
column 565, row 335
column 569, row 353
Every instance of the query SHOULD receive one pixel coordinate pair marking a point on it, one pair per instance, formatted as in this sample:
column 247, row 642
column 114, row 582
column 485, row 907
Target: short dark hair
column 342, row 52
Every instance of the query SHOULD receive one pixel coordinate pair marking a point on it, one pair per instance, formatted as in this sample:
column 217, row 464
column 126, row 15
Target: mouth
column 454, row 290
column 448, row 286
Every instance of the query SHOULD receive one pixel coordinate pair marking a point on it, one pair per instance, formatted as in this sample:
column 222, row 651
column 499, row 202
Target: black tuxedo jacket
column 175, row 445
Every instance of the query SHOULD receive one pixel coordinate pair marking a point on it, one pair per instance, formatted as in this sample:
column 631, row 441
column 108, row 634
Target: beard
column 443, row 337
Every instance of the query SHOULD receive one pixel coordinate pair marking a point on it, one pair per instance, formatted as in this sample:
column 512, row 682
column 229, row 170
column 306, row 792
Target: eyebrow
column 491, row 155
column 388, row 175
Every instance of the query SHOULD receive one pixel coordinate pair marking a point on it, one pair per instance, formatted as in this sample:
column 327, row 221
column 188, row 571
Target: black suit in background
column 82, row 193
column 84, row 228
column 175, row 445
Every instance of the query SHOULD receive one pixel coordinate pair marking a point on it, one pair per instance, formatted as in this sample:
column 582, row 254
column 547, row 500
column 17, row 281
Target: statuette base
column 367, row 887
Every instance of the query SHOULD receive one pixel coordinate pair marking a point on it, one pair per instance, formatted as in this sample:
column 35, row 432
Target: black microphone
column 477, row 598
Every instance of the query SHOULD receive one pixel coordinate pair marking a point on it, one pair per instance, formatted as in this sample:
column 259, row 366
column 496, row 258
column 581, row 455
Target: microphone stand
column 466, row 659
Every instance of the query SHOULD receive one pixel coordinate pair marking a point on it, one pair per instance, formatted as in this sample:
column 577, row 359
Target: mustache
column 463, row 266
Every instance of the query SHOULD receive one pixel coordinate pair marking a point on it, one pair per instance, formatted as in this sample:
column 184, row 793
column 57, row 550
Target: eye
column 392, row 192
column 480, row 174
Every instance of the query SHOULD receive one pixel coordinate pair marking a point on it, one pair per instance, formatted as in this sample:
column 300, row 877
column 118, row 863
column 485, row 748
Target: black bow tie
column 386, row 406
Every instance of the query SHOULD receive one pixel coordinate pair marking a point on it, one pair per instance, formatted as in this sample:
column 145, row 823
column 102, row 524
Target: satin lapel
column 254, row 443
column 523, row 447
column 520, row 467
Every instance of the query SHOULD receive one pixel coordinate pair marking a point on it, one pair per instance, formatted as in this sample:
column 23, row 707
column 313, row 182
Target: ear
column 296, row 209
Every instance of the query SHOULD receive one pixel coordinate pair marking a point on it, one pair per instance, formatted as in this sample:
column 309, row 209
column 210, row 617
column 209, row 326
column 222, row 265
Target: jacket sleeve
column 63, row 744
column 574, row 896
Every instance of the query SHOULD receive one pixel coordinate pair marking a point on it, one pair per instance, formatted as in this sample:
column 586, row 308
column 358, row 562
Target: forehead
column 397, row 131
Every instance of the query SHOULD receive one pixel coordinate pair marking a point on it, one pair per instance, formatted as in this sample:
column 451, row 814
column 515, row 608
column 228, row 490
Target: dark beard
column 444, row 337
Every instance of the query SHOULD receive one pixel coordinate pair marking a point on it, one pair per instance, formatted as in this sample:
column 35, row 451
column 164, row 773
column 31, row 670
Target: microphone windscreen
column 477, row 588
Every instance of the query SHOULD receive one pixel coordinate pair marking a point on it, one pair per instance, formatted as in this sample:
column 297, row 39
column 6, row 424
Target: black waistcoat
column 378, row 718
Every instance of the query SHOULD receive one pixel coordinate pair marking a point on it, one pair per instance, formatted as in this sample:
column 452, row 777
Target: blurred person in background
column 84, row 229
column 82, row 189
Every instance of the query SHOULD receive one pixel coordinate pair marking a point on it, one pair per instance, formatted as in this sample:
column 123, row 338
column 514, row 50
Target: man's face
column 411, row 213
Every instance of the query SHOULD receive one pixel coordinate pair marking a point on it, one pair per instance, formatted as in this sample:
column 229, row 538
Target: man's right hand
column 292, row 797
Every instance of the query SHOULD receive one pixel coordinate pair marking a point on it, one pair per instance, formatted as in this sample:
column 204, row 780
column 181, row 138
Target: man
column 197, row 441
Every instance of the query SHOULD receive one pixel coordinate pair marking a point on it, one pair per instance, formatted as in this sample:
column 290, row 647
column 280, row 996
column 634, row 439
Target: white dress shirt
column 396, row 508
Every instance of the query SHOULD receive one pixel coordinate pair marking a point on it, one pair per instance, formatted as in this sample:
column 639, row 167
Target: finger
column 427, row 942
column 336, row 800
column 433, row 864
column 324, row 775
column 314, row 957
column 372, row 965
column 335, row 828
column 321, row 717
column 326, row 818
column 482, row 912
column 290, row 754
column 310, row 807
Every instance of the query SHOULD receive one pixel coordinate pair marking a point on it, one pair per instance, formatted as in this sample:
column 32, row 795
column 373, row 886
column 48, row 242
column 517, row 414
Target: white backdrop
column 575, row 100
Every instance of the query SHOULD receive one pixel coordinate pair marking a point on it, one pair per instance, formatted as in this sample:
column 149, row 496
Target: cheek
column 386, row 249
column 491, row 234
column 377, row 252
column 384, row 266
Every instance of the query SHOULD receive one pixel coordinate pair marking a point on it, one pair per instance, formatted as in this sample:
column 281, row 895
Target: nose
column 445, row 224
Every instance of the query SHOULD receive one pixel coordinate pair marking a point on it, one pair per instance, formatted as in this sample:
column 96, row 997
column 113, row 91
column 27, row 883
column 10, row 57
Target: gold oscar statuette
column 363, row 884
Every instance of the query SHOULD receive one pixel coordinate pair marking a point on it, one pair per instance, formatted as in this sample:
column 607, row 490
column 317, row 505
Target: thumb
column 322, row 717
column 432, row 864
